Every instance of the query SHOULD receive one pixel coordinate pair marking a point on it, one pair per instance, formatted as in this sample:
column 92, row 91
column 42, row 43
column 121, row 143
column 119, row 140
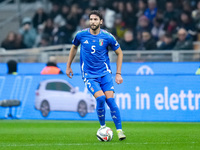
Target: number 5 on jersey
column 93, row 46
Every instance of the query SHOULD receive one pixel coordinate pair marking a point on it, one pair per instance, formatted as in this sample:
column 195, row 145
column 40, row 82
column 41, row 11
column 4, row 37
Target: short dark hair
column 96, row 12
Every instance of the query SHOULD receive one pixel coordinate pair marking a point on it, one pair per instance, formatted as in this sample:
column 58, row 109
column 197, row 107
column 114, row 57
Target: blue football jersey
column 94, row 58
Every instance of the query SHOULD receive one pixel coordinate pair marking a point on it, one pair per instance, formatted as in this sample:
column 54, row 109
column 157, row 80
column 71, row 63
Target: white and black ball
column 105, row 134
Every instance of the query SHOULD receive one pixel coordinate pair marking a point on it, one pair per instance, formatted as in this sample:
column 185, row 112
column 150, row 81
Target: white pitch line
column 100, row 143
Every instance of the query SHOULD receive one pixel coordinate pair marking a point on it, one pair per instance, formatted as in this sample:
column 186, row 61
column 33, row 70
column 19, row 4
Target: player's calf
column 115, row 114
column 101, row 109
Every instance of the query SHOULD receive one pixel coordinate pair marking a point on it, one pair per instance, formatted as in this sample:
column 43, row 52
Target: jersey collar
column 93, row 34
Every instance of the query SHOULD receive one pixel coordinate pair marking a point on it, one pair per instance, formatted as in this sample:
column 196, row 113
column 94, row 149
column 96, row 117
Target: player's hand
column 69, row 72
column 118, row 79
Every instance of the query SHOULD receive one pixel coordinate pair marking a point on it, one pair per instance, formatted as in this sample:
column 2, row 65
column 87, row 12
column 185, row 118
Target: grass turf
column 59, row 135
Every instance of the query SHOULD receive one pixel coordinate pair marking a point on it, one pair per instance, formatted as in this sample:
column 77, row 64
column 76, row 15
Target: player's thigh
column 94, row 87
column 107, row 86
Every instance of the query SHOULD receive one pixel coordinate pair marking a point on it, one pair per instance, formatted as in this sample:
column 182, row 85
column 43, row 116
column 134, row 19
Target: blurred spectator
column 13, row 41
column 93, row 4
column 72, row 20
column 109, row 18
column 39, row 17
column 87, row 12
column 55, row 11
column 44, row 41
column 160, row 40
column 186, row 6
column 188, row 24
column 84, row 23
column 112, row 4
column 172, row 26
column 193, row 3
column 161, row 4
column 130, row 18
column 48, row 27
column 171, row 12
column 168, row 42
column 58, row 34
column 51, row 67
column 196, row 17
column 28, row 32
column 19, row 44
column 85, row 4
column 147, row 43
column 141, row 8
column 158, row 28
column 9, row 42
column 121, row 9
column 12, row 67
column 129, row 42
column 39, row 34
column 143, row 25
column 196, row 12
column 183, row 42
column 65, row 11
column 120, row 26
column 160, row 14
column 151, row 11
column 178, row 4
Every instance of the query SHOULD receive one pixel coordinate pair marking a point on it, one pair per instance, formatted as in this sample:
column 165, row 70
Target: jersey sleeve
column 113, row 43
column 76, row 40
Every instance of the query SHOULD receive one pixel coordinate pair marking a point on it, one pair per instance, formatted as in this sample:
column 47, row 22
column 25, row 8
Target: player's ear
column 101, row 21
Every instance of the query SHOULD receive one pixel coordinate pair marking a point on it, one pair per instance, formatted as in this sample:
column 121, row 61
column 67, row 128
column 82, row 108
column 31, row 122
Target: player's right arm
column 72, row 54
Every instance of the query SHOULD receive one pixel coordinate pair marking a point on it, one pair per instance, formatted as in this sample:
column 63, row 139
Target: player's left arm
column 118, row 78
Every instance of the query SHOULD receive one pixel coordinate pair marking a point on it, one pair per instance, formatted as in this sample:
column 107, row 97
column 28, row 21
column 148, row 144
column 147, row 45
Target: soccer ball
column 105, row 134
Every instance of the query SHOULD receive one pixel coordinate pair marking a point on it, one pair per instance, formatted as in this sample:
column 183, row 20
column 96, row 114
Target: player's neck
column 95, row 32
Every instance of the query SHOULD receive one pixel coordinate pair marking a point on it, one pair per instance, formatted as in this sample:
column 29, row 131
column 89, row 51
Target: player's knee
column 101, row 102
column 111, row 103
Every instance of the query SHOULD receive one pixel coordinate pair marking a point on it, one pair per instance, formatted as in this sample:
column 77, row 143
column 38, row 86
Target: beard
column 94, row 27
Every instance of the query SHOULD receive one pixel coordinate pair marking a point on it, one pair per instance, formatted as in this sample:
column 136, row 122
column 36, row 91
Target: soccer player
column 95, row 67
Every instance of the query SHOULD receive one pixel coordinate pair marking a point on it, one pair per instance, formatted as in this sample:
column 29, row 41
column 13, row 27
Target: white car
column 59, row 95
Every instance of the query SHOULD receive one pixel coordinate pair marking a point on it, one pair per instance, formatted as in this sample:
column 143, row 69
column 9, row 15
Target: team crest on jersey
column 92, row 89
column 100, row 42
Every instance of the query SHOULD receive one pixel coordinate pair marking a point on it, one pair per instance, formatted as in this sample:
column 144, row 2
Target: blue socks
column 101, row 109
column 114, row 110
column 115, row 114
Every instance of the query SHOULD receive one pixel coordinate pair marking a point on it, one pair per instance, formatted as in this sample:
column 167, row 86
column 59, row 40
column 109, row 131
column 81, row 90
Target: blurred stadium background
column 160, row 40
column 146, row 29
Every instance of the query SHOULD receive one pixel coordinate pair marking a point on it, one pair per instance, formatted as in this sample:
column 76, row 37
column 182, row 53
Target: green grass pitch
column 81, row 135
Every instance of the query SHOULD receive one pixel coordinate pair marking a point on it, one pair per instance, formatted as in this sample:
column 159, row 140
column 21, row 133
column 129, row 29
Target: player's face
column 95, row 22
